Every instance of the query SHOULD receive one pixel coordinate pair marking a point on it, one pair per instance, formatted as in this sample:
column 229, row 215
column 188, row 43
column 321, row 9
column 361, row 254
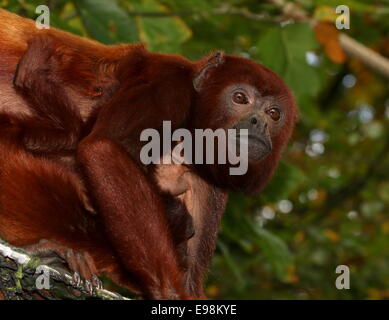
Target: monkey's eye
column 240, row 98
column 274, row 113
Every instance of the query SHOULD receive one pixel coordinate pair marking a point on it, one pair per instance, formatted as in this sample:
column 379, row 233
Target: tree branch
column 18, row 278
column 222, row 10
column 369, row 57
column 289, row 12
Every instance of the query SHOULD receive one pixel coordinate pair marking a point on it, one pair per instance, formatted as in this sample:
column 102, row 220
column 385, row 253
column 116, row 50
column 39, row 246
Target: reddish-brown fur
column 98, row 101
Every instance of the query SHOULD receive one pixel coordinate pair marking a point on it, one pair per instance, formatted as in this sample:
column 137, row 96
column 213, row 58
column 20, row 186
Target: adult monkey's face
column 261, row 117
column 238, row 93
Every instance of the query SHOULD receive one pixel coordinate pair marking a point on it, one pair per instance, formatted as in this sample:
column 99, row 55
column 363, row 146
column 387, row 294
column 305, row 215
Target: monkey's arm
column 205, row 204
column 129, row 203
column 42, row 78
column 57, row 122
column 208, row 205
column 134, row 217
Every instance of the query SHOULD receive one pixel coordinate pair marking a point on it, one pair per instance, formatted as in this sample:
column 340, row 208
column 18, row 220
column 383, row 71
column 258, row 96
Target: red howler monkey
column 89, row 103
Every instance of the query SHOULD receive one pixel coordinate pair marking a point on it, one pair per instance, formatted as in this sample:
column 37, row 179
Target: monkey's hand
column 80, row 263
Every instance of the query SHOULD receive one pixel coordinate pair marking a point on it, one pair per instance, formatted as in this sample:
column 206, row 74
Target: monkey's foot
column 80, row 263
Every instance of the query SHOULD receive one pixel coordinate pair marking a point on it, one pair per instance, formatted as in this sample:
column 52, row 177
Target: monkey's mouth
column 257, row 147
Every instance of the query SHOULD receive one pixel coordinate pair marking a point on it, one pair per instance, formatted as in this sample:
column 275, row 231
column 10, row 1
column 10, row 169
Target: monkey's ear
column 215, row 60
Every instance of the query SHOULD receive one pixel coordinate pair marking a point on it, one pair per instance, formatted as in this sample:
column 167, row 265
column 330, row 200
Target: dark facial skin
column 261, row 116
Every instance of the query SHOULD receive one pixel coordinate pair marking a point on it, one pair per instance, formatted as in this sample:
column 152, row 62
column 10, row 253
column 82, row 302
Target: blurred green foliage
column 328, row 203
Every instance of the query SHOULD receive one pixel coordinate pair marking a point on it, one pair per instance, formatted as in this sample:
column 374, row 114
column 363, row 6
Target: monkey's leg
column 42, row 199
column 134, row 216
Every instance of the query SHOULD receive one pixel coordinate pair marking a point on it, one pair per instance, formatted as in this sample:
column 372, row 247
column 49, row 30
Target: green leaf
column 273, row 249
column 231, row 263
column 352, row 4
column 106, row 21
column 190, row 5
column 284, row 51
column 59, row 23
column 286, row 179
column 161, row 34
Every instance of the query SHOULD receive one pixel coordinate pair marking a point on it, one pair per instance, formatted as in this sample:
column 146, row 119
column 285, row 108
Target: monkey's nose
column 257, row 124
